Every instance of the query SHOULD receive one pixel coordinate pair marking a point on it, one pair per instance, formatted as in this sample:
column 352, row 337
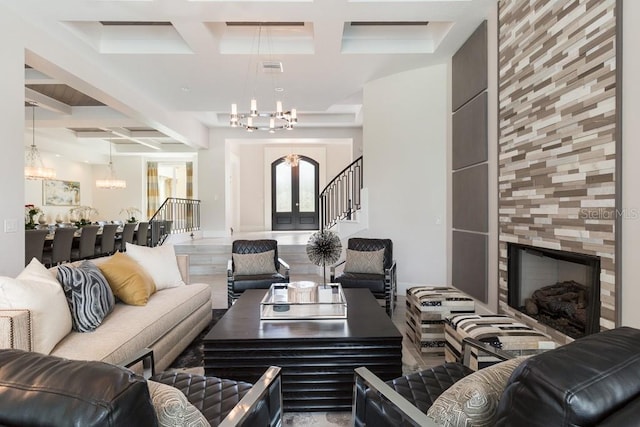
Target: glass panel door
column 294, row 195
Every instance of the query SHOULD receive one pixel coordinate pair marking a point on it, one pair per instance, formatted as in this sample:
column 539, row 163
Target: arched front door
column 294, row 195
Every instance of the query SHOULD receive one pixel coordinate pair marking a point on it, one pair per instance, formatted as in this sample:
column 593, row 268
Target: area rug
column 193, row 355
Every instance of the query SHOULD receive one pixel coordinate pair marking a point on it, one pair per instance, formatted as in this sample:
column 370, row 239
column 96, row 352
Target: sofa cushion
column 172, row 407
column 88, row 294
column 37, row 290
column 474, row 399
column 254, row 264
column 160, row 262
column 367, row 262
column 127, row 279
column 580, row 383
column 44, row 390
column 129, row 328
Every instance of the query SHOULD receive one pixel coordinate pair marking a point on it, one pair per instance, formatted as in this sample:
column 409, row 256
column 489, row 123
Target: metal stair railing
column 175, row 215
column 340, row 199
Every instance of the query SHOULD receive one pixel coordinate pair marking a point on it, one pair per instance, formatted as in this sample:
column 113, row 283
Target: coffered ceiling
column 169, row 70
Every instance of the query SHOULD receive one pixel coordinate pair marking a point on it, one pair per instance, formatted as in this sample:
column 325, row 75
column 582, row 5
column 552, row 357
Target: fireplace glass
column 557, row 288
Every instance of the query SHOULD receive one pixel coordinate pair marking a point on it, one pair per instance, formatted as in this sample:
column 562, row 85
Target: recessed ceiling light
column 279, row 89
column 186, row 89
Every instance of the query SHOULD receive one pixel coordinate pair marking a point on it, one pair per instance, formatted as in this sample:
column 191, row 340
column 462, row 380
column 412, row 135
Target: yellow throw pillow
column 127, row 279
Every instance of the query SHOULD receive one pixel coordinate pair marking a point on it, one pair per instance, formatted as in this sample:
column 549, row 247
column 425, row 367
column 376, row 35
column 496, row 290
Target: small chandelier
column 34, row 168
column 292, row 160
column 255, row 120
column 263, row 120
column 111, row 182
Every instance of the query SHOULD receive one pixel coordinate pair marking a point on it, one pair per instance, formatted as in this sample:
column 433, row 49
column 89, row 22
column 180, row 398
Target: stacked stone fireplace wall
column 557, row 136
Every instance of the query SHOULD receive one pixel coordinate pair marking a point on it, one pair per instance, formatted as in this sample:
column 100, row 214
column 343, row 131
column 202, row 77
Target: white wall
column 254, row 188
column 66, row 170
column 405, row 162
column 630, row 171
column 109, row 203
column 11, row 137
column 221, row 180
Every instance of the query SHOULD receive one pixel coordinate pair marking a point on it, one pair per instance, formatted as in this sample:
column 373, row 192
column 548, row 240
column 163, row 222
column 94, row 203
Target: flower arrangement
column 131, row 213
column 30, row 211
column 83, row 215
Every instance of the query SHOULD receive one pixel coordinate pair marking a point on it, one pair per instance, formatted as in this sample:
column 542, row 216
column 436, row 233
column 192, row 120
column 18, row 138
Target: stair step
column 211, row 259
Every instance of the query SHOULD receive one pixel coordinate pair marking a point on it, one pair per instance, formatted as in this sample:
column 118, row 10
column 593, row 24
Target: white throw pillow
column 36, row 290
column 160, row 262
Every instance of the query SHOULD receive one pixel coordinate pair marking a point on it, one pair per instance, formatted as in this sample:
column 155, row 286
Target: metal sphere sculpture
column 324, row 247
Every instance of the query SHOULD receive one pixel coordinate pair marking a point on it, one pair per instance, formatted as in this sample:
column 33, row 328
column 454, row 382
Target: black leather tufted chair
column 382, row 286
column 237, row 284
column 219, row 400
column 404, row 401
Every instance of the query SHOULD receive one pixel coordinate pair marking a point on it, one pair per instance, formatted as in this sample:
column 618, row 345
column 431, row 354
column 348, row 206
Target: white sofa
column 169, row 321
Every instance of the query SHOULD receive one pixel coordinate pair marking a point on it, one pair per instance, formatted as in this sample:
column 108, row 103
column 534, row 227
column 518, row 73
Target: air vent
column 390, row 23
column 264, row 24
column 272, row 67
column 135, row 23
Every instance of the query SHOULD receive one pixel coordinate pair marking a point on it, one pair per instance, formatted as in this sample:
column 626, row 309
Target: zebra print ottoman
column 427, row 307
column 498, row 330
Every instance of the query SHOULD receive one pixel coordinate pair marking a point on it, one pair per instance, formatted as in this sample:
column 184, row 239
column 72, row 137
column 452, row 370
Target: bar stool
column 60, row 248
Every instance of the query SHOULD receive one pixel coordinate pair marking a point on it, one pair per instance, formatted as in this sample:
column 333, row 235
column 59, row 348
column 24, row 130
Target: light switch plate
column 10, row 225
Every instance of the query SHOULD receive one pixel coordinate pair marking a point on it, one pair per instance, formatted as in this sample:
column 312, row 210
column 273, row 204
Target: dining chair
column 34, row 244
column 60, row 250
column 127, row 235
column 142, row 234
column 107, row 243
column 85, row 247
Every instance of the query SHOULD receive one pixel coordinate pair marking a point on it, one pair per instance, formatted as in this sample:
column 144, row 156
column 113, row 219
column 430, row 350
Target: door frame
column 278, row 162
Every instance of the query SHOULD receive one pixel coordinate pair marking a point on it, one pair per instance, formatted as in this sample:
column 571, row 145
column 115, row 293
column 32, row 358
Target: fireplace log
column 562, row 300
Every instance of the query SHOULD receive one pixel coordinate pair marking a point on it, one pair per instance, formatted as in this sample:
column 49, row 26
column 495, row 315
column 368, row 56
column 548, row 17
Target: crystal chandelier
column 34, row 168
column 111, row 182
column 263, row 120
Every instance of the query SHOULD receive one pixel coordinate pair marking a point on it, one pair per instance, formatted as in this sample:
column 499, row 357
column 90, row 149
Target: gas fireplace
column 557, row 288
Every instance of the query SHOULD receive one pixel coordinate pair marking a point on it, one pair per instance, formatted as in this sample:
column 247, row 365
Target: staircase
column 209, row 257
column 343, row 210
column 344, row 202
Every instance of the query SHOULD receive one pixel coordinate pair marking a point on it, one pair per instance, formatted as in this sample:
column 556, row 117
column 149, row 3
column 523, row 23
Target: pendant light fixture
column 111, row 182
column 292, row 160
column 270, row 121
column 33, row 167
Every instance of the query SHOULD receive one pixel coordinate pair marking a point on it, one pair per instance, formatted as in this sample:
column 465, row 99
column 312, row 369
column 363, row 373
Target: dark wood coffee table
column 317, row 357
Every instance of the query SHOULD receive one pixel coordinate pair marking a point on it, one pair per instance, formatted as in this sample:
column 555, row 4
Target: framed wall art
column 61, row 193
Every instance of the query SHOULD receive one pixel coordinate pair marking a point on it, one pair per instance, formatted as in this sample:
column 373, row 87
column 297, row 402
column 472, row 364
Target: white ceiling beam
column 123, row 133
column 46, row 102
column 35, row 77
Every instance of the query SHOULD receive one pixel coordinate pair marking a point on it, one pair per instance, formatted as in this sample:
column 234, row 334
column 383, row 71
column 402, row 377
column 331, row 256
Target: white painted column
column 630, row 158
column 12, row 142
